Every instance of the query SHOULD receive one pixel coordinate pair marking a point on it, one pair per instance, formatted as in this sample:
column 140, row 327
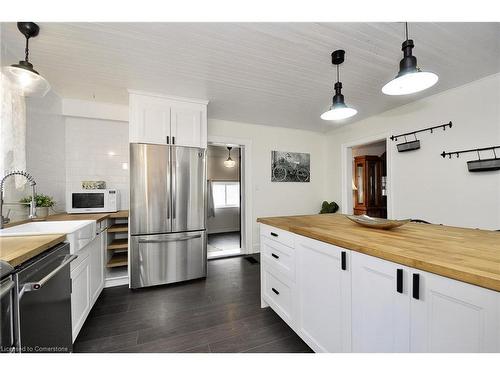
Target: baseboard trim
column 116, row 281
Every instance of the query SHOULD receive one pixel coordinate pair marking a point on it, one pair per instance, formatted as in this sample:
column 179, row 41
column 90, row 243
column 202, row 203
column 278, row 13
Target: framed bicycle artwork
column 290, row 166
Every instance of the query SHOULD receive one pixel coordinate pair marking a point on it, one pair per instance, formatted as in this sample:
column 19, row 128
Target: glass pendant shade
column 27, row 80
column 229, row 163
column 22, row 75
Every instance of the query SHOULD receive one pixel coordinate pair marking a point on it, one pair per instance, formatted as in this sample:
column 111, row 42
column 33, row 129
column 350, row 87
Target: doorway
column 366, row 178
column 224, row 200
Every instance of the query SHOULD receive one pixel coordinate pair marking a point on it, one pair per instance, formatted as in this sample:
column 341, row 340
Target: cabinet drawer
column 278, row 294
column 278, row 256
column 278, row 235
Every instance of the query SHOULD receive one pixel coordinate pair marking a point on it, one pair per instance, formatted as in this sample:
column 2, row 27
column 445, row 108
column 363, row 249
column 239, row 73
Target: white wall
column 46, row 146
column 96, row 150
column 278, row 198
column 424, row 185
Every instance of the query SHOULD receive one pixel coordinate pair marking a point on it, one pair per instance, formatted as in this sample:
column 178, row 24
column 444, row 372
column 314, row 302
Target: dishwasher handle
column 30, row 287
column 4, row 289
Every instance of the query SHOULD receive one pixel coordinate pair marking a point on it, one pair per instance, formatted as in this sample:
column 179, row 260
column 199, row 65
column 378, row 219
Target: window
column 226, row 194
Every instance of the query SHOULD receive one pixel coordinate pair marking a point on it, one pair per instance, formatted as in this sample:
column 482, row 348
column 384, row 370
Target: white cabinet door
column 80, row 293
column 96, row 260
column 149, row 119
column 324, row 295
column 380, row 313
column 452, row 316
column 189, row 124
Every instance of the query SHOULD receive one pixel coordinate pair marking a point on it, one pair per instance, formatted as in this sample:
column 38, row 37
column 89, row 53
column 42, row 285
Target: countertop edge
column 35, row 251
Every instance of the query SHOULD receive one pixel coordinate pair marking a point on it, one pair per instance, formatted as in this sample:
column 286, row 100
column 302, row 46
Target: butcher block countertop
column 469, row 255
column 97, row 216
column 18, row 249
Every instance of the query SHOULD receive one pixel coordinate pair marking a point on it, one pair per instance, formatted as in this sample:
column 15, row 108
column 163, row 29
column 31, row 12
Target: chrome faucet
column 32, row 204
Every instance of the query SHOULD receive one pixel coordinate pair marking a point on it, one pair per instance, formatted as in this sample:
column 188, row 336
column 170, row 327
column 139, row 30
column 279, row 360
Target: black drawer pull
column 275, row 256
column 399, row 280
column 275, row 291
column 343, row 256
column 168, row 140
column 274, row 234
column 416, row 286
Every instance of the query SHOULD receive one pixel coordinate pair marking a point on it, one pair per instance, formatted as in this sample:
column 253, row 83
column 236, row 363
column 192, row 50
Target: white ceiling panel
column 276, row 74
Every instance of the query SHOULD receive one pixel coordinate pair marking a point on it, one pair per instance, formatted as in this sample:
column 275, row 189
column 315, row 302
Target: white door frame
column 346, row 160
column 246, row 208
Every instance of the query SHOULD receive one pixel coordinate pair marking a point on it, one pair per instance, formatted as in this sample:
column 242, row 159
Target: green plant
column 329, row 208
column 41, row 200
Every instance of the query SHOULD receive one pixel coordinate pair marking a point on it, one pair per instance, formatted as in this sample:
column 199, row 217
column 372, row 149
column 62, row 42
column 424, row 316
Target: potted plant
column 43, row 202
column 329, row 208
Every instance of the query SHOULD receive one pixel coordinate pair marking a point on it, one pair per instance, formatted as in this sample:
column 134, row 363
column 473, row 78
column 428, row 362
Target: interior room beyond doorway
column 224, row 200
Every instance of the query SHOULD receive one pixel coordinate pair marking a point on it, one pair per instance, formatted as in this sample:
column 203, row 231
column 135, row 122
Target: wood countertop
column 469, row 255
column 18, row 249
column 96, row 216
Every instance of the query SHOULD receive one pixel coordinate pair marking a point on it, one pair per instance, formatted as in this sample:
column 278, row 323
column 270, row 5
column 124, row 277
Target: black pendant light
column 229, row 163
column 23, row 75
column 338, row 110
column 410, row 78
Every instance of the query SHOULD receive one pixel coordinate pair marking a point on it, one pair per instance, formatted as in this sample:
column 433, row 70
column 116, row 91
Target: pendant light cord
column 26, row 50
column 338, row 67
column 406, row 30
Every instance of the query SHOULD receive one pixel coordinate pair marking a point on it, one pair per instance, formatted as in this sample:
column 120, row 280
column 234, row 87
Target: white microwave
column 93, row 200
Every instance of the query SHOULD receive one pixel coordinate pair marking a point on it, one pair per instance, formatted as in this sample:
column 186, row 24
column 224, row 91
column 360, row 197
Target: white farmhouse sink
column 78, row 232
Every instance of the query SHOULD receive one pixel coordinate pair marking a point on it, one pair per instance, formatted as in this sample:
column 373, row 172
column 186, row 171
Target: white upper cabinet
column 324, row 295
column 380, row 305
column 451, row 316
column 188, row 124
column 161, row 119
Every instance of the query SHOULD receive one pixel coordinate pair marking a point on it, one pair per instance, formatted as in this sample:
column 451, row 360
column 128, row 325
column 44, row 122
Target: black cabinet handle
column 343, row 257
column 416, row 286
column 274, row 234
column 173, row 140
column 168, row 140
column 399, row 280
column 275, row 291
column 275, row 256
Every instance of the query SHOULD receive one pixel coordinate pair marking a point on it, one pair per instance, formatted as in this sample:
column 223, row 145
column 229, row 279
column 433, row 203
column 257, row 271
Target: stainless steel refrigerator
column 168, row 241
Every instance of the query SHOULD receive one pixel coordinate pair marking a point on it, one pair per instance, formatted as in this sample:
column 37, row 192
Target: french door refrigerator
column 168, row 241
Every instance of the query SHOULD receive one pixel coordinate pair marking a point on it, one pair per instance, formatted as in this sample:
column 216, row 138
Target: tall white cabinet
column 161, row 119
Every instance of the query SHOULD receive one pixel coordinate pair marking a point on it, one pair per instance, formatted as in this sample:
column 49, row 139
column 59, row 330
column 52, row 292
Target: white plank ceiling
column 276, row 74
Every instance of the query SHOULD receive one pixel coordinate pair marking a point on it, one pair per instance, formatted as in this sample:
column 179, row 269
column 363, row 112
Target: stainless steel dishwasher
column 7, row 340
column 43, row 294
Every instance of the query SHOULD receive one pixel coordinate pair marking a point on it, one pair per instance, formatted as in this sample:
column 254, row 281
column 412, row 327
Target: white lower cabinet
column 452, row 316
column 87, row 281
column 323, row 294
column 366, row 304
column 80, row 292
column 380, row 305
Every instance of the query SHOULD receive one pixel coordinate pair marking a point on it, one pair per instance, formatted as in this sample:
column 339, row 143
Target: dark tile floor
column 219, row 314
column 225, row 241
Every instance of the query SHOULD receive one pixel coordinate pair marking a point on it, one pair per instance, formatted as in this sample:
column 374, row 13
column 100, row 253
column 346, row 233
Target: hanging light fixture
column 229, row 163
column 410, row 78
column 338, row 110
column 27, row 79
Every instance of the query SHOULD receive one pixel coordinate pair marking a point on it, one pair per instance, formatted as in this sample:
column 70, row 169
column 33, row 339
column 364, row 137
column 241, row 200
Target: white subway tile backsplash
column 89, row 143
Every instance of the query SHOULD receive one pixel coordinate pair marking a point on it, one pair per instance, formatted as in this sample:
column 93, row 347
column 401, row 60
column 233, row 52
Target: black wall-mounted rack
column 431, row 129
column 415, row 144
column 480, row 165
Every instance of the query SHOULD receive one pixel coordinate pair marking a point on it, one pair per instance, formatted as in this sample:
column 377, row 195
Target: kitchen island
column 419, row 288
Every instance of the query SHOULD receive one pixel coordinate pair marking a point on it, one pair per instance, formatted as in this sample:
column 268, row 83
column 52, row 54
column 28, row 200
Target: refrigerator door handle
column 187, row 238
column 173, row 174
